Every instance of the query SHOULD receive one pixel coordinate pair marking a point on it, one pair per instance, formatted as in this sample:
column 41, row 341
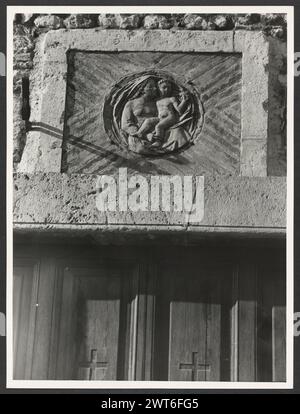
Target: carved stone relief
column 151, row 113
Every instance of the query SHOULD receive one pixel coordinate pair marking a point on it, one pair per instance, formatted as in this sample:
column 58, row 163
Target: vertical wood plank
column 66, row 327
column 43, row 322
column 24, row 301
column 279, row 343
column 234, row 316
column 265, row 300
column 57, row 304
column 247, row 347
column 214, row 328
column 133, row 323
column 124, row 334
column 17, row 295
column 145, row 322
column 279, row 328
column 162, row 325
column 126, row 366
column 32, row 321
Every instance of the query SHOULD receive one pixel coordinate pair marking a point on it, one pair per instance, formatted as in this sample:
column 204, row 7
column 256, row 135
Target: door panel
column 93, row 323
column 194, row 307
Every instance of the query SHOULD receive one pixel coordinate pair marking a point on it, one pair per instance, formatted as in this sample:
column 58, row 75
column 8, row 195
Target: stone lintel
column 58, row 200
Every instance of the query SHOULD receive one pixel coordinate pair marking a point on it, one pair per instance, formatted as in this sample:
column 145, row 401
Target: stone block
column 231, row 202
column 108, row 21
column 59, row 42
column 255, row 98
column 248, row 19
column 80, row 21
column 19, row 131
column 194, row 22
column 23, row 44
column 49, row 21
column 157, row 21
column 129, row 21
column 272, row 19
column 223, row 22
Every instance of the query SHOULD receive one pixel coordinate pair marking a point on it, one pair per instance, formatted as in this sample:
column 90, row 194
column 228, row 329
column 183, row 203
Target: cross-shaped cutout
column 195, row 366
column 93, row 364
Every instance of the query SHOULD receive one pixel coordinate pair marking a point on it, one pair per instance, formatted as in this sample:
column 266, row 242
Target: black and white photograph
column 150, row 197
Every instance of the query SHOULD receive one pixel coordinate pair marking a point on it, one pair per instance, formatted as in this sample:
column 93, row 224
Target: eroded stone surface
column 138, row 40
column 254, row 156
column 49, row 21
column 80, row 21
column 229, row 201
column 273, row 19
column 277, row 103
column 158, row 21
column 19, row 131
column 255, row 91
column 223, row 22
column 108, row 21
column 248, row 19
column 193, row 21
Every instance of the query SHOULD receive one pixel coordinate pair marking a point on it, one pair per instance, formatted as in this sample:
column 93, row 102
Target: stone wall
column 29, row 31
column 272, row 24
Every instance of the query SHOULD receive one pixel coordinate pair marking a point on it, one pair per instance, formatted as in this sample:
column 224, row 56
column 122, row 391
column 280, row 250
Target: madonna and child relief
column 152, row 114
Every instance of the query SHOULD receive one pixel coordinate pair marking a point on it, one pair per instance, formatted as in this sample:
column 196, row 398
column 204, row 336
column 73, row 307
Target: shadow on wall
column 113, row 159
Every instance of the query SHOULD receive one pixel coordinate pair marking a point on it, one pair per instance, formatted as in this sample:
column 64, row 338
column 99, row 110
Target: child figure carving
column 169, row 110
column 155, row 115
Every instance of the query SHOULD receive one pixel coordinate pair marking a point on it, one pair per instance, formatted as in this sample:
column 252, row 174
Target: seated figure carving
column 139, row 116
column 153, row 115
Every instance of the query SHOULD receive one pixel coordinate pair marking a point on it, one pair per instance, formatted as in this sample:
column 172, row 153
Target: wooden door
column 179, row 314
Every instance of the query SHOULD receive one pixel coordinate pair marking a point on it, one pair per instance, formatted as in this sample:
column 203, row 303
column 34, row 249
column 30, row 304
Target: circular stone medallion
column 153, row 114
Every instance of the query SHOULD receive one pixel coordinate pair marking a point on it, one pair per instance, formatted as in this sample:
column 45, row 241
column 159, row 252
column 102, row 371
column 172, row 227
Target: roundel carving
column 152, row 113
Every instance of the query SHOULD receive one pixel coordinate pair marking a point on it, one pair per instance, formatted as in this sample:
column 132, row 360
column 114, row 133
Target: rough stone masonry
column 45, row 196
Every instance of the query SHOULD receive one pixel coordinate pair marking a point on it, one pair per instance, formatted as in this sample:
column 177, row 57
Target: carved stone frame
column 43, row 152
